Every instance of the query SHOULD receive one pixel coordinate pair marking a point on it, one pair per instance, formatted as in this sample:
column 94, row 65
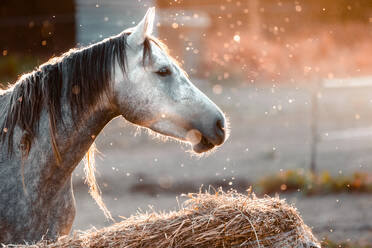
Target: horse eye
column 164, row 71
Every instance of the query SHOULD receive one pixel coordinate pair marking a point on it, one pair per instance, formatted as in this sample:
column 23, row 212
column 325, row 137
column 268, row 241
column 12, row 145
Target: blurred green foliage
column 310, row 184
column 331, row 244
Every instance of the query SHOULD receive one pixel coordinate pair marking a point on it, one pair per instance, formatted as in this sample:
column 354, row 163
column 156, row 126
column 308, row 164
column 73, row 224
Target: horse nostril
column 220, row 125
column 220, row 130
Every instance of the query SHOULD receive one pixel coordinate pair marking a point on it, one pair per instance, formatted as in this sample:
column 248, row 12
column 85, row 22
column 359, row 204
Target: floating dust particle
column 75, row 89
column 175, row 25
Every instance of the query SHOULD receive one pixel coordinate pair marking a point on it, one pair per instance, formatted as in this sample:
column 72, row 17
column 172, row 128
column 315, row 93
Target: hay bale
column 205, row 220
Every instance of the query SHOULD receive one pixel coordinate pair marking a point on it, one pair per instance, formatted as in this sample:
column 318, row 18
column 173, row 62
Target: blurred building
column 202, row 34
column 44, row 27
column 98, row 19
column 193, row 26
column 37, row 27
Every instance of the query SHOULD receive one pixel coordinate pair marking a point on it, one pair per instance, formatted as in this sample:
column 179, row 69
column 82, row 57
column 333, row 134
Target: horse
column 51, row 116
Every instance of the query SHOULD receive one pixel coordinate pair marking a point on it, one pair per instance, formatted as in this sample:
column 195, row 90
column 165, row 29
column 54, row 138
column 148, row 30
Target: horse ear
column 144, row 28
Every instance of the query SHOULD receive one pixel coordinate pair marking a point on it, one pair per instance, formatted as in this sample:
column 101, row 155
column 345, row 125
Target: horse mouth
column 200, row 143
column 203, row 146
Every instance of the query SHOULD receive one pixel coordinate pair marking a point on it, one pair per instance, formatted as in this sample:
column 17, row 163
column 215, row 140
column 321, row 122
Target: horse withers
column 50, row 118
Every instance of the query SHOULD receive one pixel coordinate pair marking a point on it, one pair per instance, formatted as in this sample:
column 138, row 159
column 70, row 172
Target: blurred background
column 293, row 76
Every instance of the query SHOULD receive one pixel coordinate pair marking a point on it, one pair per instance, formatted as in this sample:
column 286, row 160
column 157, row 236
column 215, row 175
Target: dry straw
column 205, row 220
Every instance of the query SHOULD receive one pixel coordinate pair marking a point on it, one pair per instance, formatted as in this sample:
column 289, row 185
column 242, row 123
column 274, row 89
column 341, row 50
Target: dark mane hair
column 85, row 74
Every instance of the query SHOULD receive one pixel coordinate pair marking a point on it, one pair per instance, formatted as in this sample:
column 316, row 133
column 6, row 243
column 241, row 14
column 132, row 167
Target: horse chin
column 203, row 146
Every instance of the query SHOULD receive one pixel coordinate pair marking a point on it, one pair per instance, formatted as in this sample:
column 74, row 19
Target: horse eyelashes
column 164, row 71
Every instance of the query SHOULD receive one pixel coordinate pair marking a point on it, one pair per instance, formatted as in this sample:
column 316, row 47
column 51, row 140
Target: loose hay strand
column 90, row 179
column 254, row 229
column 205, row 220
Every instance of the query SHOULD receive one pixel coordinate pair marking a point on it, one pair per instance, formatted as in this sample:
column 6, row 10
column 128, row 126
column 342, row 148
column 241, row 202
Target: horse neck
column 73, row 139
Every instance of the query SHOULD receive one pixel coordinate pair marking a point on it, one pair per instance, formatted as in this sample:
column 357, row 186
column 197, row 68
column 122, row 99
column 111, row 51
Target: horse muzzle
column 206, row 137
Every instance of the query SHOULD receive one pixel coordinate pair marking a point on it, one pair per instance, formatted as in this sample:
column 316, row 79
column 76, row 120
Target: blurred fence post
column 314, row 126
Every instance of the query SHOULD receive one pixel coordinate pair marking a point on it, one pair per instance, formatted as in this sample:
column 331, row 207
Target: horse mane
column 82, row 76
column 85, row 73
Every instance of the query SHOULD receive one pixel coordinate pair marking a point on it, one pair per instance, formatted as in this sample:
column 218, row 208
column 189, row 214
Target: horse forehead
column 159, row 55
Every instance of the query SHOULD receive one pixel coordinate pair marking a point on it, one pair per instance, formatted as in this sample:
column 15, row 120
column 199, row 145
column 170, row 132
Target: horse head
column 157, row 94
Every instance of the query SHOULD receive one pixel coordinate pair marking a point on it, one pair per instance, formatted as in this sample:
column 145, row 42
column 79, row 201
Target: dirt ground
column 270, row 131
